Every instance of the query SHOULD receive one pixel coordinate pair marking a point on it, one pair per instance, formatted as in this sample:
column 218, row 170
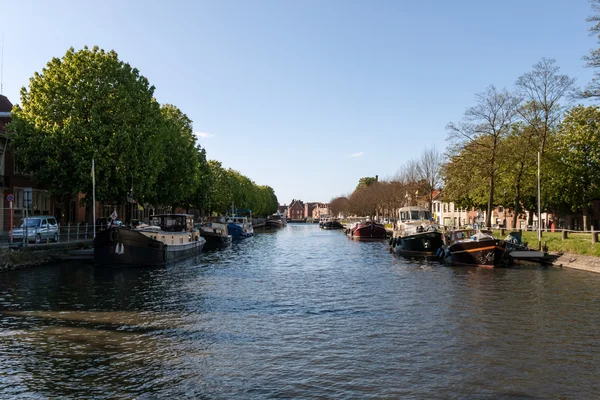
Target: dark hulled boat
column 423, row 244
column 332, row 224
column 169, row 238
column 415, row 234
column 216, row 236
column 369, row 230
column 478, row 250
column 275, row 221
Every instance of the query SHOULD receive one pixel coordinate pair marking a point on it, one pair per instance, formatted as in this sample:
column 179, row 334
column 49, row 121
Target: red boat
column 367, row 231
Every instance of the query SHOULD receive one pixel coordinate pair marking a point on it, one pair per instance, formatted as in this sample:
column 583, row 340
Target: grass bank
column 576, row 243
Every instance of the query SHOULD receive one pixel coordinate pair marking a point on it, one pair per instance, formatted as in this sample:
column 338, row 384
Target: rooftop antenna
column 2, row 66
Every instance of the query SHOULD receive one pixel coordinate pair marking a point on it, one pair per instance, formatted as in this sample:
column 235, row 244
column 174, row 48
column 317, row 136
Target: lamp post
column 130, row 200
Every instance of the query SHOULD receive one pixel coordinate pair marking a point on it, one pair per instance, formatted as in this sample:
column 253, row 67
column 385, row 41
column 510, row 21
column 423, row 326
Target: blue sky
column 309, row 96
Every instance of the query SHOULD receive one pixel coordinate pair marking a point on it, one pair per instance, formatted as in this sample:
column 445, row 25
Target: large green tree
column 575, row 161
column 466, row 179
column 484, row 126
column 592, row 89
column 200, row 197
column 89, row 104
column 221, row 190
column 517, row 185
column 178, row 179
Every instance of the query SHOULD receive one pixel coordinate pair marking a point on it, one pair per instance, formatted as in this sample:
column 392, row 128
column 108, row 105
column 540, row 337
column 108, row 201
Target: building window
column 444, row 207
column 18, row 198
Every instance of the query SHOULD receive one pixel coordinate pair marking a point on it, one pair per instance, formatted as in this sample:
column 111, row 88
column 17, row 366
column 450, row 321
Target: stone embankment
column 34, row 255
column 577, row 261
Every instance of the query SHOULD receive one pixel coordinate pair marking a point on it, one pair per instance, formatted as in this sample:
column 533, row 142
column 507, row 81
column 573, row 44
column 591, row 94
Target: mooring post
column 564, row 234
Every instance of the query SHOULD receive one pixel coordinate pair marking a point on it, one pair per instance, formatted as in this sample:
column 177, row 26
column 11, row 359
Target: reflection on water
column 299, row 313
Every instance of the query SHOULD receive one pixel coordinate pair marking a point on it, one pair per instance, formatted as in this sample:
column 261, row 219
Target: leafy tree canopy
column 89, row 104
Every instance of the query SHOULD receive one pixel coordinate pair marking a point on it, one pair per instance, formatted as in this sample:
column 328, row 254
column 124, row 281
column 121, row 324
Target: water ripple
column 299, row 313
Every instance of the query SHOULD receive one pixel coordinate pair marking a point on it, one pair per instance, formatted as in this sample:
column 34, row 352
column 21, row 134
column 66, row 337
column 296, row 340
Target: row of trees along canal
column 492, row 158
column 91, row 105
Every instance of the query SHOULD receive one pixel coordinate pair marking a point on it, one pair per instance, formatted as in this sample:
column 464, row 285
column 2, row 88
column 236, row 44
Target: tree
column 408, row 180
column 542, row 89
column 518, row 171
column 575, row 176
column 178, row 179
column 484, row 126
column 339, row 206
column 429, row 172
column 200, row 197
column 592, row 89
column 365, row 181
column 220, row 196
column 89, row 104
column 466, row 181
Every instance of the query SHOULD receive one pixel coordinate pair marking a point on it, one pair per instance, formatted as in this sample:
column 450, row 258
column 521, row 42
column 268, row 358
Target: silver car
column 39, row 228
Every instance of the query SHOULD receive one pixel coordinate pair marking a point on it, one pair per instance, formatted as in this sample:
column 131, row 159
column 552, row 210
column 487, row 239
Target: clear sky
column 309, row 96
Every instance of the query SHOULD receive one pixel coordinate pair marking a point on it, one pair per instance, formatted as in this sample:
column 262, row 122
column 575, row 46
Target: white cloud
column 203, row 135
column 359, row 154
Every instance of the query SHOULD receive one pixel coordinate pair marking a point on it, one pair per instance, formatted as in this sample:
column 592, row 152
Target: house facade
column 448, row 215
column 296, row 210
column 321, row 210
column 283, row 210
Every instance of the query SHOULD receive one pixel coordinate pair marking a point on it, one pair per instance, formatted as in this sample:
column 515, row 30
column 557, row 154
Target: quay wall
column 577, row 261
column 35, row 255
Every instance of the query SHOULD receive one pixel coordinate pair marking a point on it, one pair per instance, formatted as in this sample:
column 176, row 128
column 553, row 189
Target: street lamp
column 130, row 200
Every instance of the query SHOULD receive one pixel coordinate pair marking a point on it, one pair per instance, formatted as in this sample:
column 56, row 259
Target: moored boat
column 421, row 244
column 332, row 223
column 239, row 228
column 369, row 230
column 415, row 235
column 275, row 221
column 467, row 247
column 216, row 235
column 168, row 238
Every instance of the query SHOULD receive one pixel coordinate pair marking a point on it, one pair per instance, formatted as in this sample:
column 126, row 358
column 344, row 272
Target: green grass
column 576, row 243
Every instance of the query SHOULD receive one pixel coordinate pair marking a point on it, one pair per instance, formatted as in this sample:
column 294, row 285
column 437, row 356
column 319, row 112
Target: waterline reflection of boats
column 168, row 238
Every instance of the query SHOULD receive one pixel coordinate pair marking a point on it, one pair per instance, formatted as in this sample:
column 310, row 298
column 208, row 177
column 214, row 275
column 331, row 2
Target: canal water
column 300, row 313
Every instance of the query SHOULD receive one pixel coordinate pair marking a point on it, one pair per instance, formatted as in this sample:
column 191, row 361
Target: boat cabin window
column 170, row 223
column 414, row 215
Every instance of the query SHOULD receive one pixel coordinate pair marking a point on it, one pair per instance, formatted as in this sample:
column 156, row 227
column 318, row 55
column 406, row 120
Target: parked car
column 39, row 228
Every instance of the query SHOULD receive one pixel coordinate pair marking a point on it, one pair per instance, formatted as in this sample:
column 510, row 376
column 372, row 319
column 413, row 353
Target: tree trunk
column 488, row 216
column 586, row 216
